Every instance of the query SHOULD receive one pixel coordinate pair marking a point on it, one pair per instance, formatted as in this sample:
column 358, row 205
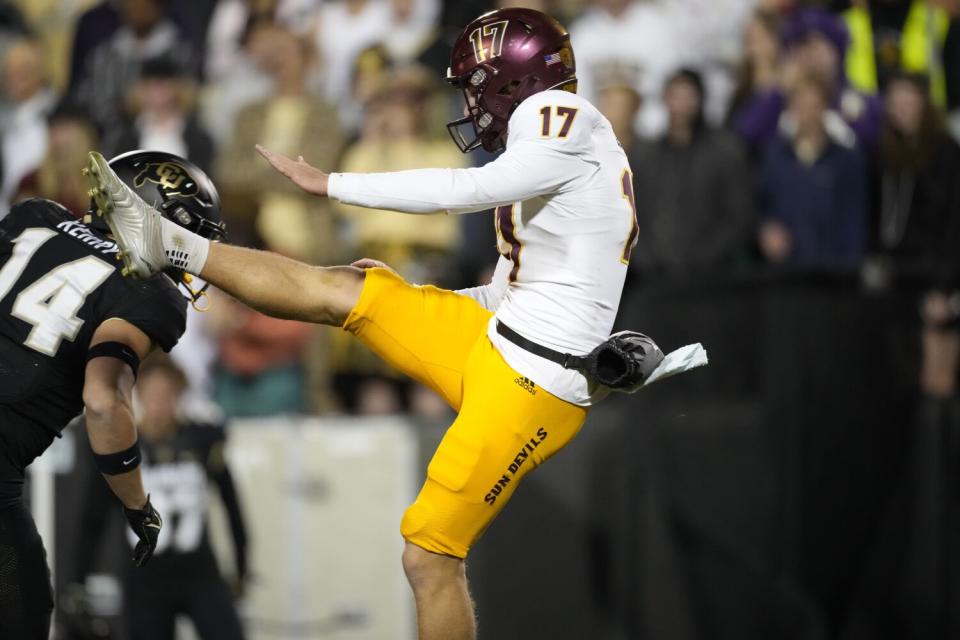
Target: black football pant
column 152, row 606
column 26, row 597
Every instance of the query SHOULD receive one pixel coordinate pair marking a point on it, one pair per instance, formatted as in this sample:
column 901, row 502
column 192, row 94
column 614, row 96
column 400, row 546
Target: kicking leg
column 268, row 282
column 424, row 332
column 284, row 288
column 439, row 583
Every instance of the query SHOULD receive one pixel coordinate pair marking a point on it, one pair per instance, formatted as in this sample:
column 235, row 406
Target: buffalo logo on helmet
column 172, row 179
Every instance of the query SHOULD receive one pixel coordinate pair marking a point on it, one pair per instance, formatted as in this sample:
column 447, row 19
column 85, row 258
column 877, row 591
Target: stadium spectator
column 94, row 26
column 161, row 116
column 413, row 28
column 918, row 235
column 693, row 187
column 261, row 203
column 813, row 189
column 618, row 100
column 260, row 371
column 815, row 42
column 112, row 67
column 70, row 137
column 398, row 31
column 714, row 25
column 344, row 29
column 24, row 126
column 394, row 137
column 232, row 22
column 99, row 22
column 243, row 84
column 908, row 35
column 758, row 75
column 373, row 71
column 635, row 37
column 197, row 354
column 919, row 198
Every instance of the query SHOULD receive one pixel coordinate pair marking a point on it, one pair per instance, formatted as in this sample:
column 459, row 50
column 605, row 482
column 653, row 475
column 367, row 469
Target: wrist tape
column 112, row 464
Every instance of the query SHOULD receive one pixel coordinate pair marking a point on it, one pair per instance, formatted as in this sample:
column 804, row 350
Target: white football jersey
column 565, row 225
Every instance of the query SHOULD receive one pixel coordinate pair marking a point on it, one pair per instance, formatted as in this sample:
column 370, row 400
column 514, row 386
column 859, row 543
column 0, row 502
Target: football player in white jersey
column 509, row 357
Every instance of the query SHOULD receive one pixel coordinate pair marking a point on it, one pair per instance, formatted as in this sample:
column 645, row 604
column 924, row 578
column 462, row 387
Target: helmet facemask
column 213, row 231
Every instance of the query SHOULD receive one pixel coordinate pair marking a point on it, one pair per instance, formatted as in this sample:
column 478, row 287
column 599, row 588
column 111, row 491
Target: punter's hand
column 370, row 263
column 308, row 178
column 146, row 523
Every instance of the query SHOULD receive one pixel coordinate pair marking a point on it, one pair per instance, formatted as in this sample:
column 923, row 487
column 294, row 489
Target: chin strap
column 196, row 295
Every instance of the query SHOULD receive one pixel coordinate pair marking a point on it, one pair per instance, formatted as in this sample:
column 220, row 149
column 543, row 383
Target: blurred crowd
column 763, row 134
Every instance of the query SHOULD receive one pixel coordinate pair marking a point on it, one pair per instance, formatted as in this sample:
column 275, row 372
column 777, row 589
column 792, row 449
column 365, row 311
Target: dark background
column 795, row 488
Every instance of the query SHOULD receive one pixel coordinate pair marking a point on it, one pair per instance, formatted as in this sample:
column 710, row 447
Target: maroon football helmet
column 501, row 59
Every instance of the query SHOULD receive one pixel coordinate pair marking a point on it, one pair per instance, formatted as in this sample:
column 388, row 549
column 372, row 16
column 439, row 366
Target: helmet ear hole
column 182, row 217
column 477, row 78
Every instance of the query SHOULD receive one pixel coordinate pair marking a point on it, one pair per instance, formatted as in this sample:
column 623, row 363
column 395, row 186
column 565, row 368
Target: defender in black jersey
column 183, row 455
column 72, row 331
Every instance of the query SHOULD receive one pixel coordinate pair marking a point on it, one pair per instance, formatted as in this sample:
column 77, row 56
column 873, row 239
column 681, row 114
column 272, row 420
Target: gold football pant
column 506, row 426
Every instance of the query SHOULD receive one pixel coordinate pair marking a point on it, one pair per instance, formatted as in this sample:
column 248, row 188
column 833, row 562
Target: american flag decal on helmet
column 553, row 58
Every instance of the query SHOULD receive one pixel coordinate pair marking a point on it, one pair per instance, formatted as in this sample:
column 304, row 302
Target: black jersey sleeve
column 153, row 305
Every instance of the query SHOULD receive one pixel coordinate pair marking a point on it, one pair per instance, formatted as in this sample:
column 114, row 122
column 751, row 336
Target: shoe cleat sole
column 96, row 172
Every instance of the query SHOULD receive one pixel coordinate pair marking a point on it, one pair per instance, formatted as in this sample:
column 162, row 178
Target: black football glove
column 146, row 523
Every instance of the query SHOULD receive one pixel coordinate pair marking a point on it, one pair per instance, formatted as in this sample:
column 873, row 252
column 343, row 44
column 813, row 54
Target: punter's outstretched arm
column 526, row 170
column 281, row 287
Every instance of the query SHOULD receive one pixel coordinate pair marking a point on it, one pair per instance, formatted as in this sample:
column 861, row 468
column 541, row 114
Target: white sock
column 183, row 249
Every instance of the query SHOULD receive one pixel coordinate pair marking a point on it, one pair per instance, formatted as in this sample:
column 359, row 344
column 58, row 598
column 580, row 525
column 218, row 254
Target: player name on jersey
column 80, row 231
